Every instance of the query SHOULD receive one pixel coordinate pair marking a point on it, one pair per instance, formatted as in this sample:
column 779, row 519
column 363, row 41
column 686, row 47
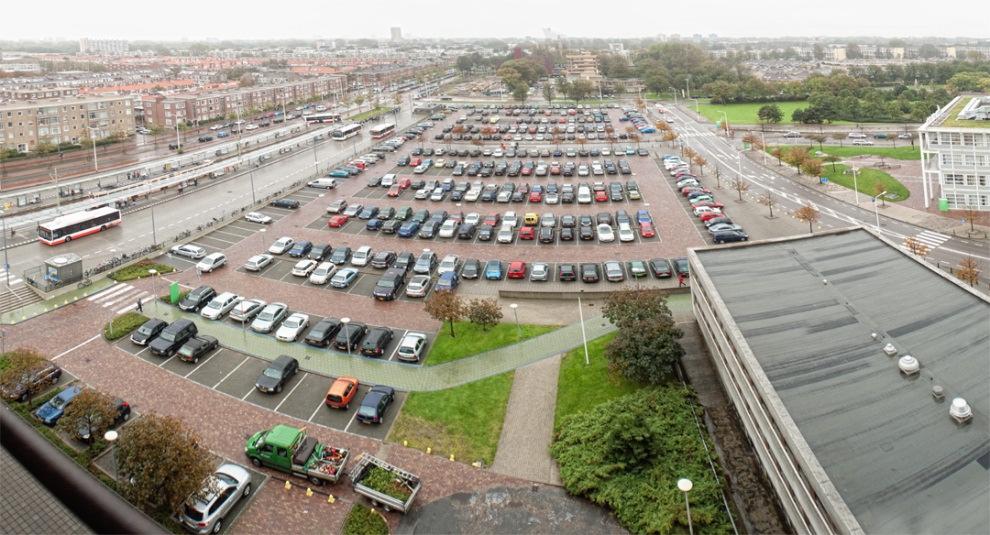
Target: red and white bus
column 322, row 118
column 74, row 226
column 345, row 132
column 382, row 130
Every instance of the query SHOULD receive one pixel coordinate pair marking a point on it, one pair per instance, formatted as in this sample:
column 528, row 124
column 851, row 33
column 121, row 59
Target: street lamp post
column 856, row 184
column 154, row 284
column 254, row 198
column 344, row 322
column 584, row 335
column 92, row 139
column 154, row 231
column 725, row 121
column 6, row 259
column 261, row 234
column 876, row 209
column 515, row 312
column 685, row 486
column 674, row 91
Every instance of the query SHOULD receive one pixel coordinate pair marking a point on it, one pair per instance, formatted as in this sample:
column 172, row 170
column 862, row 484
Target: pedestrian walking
column 140, row 307
column 680, row 280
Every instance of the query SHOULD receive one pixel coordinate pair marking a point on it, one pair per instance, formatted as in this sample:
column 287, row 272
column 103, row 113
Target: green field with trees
column 746, row 113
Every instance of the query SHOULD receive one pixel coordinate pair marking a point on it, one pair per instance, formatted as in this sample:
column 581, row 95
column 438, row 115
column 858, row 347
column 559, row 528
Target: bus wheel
column 103, row 228
column 68, row 239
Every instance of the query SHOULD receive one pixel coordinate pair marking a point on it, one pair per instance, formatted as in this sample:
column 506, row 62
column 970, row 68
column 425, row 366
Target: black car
column 386, row 213
column 429, row 230
column 604, row 218
column 197, row 299
column 291, row 204
column 404, row 261
column 486, row 233
column 376, row 341
column 546, row 235
column 466, row 231
column 471, row 269
column 320, row 252
column 148, row 331
column 368, row 213
column 568, row 221
column 391, row 226
column 566, row 272
column 349, row 335
column 122, row 413
column 726, row 236
column 681, row 266
column 566, row 234
column 586, row 232
column 321, row 333
column 375, row 404
column 173, row 337
column 197, row 347
column 341, row 255
column 591, row 272
column 403, row 161
column 420, row 216
column 273, row 379
column 382, row 259
column 388, row 285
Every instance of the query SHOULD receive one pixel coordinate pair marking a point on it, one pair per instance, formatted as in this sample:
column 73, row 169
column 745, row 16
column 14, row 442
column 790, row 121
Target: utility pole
column 6, row 260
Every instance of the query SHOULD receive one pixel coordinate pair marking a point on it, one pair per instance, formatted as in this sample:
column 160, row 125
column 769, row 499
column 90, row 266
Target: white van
column 326, row 183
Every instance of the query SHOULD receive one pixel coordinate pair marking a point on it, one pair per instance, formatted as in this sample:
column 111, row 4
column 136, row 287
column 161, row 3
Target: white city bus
column 74, row 226
column 346, row 132
column 383, row 130
column 322, row 118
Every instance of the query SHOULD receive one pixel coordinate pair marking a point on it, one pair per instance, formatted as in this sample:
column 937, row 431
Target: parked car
column 32, row 381
column 258, row 262
column 290, row 204
column 220, row 305
column 342, row 391
column 411, row 347
column 122, row 413
column 493, row 270
column 197, row 347
column 322, row 273
column 197, row 299
column 246, row 310
column 52, row 410
column 300, row 249
column 349, row 335
column 269, row 317
column 258, row 217
column 375, row 341
column 189, row 250
column 148, row 331
column 344, row 277
column 375, row 404
column 281, row 245
column 418, row 286
column 661, row 268
column 292, row 327
column 206, row 510
column 321, row 333
column 277, row 374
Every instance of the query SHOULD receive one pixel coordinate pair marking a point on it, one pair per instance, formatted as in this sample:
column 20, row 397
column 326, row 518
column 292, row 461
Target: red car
column 337, row 221
column 404, row 183
column 646, row 230
column 492, row 220
column 415, row 161
column 535, row 197
column 601, row 196
column 710, row 215
column 527, row 233
column 394, row 191
column 526, row 170
column 360, row 165
column 517, row 270
column 687, row 190
column 555, row 169
column 710, row 204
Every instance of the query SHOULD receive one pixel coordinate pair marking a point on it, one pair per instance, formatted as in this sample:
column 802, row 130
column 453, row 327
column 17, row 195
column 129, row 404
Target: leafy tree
column 796, row 156
column 645, row 352
column 626, row 307
column 548, row 92
column 484, row 312
column 770, row 114
column 91, row 409
column 809, row 215
column 520, row 92
column 445, row 307
column 968, row 270
column 163, row 461
column 22, row 363
column 778, row 153
column 812, row 166
column 879, row 188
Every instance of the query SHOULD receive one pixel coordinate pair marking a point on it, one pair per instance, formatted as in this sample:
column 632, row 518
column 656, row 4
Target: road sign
column 823, row 180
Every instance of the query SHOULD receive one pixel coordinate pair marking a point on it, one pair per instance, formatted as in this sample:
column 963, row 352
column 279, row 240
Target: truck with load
column 291, row 450
column 384, row 484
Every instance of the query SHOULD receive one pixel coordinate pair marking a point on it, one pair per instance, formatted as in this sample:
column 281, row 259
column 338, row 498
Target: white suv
column 449, row 263
column 362, row 256
column 211, row 262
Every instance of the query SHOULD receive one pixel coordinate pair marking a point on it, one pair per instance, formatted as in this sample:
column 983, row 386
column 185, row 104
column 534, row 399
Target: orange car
column 342, row 392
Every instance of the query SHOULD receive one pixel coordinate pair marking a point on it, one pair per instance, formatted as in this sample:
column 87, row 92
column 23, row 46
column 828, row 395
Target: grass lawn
column 370, row 113
column 140, row 270
column 580, row 387
column 894, row 153
column 951, row 117
column 744, row 113
column 465, row 421
column 867, row 179
column 122, row 325
column 471, row 339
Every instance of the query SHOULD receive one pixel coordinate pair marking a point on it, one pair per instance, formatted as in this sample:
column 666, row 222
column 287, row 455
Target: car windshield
column 58, row 402
column 386, row 284
column 186, row 350
column 168, row 336
column 274, row 373
column 267, row 314
column 292, row 323
column 144, row 329
column 367, row 411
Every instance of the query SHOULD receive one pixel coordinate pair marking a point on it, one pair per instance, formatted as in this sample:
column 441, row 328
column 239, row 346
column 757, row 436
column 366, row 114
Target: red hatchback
column 646, row 230
column 394, row 191
column 337, row 221
column 535, row 196
column 527, row 233
column 601, row 196
column 705, row 216
column 517, row 270
column 404, row 183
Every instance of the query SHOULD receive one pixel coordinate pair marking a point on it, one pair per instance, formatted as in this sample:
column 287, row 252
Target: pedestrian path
column 14, row 280
column 527, row 432
column 930, row 238
column 121, row 297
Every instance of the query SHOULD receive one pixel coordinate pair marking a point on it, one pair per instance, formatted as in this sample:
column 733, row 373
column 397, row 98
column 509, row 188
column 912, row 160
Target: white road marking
column 230, row 373
column 66, row 352
column 290, row 393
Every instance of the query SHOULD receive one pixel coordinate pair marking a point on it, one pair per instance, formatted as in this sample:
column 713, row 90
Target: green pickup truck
column 290, row 450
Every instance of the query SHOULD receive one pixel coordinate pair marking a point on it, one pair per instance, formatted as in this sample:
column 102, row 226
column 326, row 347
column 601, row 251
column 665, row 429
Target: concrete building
column 834, row 53
column 955, row 154
column 396, row 33
column 582, row 66
column 67, row 120
column 20, row 67
column 861, row 376
column 103, row 47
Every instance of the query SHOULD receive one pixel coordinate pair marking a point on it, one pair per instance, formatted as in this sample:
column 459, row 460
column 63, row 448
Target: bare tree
column 809, row 215
column 878, row 188
column 769, row 200
column 968, row 270
column 701, row 162
column 916, row 246
column 818, row 138
column 778, row 153
column 839, row 136
column 812, row 166
column 740, row 186
column 971, row 215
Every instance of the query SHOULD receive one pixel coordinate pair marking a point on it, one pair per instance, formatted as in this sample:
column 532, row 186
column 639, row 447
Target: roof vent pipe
column 908, row 365
column 889, row 349
column 960, row 411
column 938, row 393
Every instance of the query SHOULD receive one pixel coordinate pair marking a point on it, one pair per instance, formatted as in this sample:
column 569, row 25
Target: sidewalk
column 527, row 432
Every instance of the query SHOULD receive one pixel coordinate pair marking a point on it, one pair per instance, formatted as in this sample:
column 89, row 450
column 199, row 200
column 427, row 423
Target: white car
column 605, row 233
column 510, row 218
column 303, row 267
column 258, row 262
column 251, row 126
column 437, row 194
column 269, row 317
column 584, row 195
column 220, row 305
column 282, row 245
column 439, row 163
column 472, row 218
column 211, row 262
column 422, row 194
column 449, row 263
column 258, row 217
column 418, row 286
column 472, row 194
column 504, row 234
column 246, row 309
column 362, row 256
column 540, row 271
column 447, row 229
column 292, row 327
column 411, row 347
column 705, row 209
column 189, row 251
column 582, row 170
column 388, row 180
column 322, row 273
column 626, row 233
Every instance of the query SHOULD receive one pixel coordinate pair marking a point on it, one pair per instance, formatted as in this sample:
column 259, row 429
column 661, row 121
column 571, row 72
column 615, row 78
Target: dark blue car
column 53, row 409
column 301, row 249
column 408, row 229
column 374, row 224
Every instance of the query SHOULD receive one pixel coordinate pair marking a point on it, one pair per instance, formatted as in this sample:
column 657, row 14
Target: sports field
column 746, row 113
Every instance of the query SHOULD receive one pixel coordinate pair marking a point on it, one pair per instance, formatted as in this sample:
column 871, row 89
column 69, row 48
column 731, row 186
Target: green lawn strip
column 122, row 325
column 140, row 270
column 465, row 421
column 380, row 110
column 952, row 117
column 866, row 180
column 744, row 113
column 363, row 520
column 471, row 339
column 894, row 153
column 581, row 386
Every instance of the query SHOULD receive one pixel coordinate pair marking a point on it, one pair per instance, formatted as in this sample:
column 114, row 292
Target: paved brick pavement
column 26, row 506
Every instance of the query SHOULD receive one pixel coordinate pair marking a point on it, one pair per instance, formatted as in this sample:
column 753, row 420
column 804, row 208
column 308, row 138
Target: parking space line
column 70, row 350
column 168, row 359
column 396, row 350
column 287, row 396
column 196, row 367
column 346, row 428
column 225, row 377
column 318, row 406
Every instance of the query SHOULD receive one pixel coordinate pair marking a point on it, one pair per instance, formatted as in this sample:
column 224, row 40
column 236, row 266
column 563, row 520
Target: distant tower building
column 396, row 33
column 517, row 52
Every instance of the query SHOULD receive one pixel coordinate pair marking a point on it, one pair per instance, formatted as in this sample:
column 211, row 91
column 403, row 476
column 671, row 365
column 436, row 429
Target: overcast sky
column 224, row 19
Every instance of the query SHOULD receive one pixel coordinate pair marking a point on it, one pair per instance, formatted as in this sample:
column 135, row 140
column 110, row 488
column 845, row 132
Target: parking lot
column 234, row 374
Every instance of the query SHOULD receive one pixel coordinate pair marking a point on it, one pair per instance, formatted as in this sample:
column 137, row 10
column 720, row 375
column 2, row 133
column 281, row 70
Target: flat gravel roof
column 901, row 464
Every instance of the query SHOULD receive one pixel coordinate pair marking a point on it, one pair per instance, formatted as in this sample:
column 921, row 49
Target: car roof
column 282, row 361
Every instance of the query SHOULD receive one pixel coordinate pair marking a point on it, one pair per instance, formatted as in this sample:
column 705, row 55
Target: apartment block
column 69, row 120
column 106, row 47
column 955, row 154
column 582, row 66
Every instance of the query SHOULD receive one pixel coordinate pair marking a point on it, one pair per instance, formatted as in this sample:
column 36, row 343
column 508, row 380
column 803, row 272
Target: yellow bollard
column 309, row 492
column 429, row 450
column 288, row 485
column 405, row 443
column 331, row 499
column 451, row 456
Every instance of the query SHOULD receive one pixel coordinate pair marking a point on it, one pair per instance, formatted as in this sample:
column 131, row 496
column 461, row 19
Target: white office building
column 955, row 154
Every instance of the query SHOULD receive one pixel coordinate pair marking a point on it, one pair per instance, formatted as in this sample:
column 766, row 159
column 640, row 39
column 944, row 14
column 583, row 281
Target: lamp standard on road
column 876, row 209
column 347, row 334
column 515, row 312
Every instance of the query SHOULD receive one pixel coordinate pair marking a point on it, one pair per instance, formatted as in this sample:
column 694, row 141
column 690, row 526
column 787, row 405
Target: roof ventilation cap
column 889, row 349
column 908, row 365
column 960, row 411
column 938, row 393
column 874, row 335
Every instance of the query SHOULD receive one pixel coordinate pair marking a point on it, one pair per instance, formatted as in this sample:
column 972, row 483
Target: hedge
column 363, row 520
column 123, row 325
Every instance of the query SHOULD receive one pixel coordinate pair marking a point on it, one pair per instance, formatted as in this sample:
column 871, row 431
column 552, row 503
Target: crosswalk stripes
column 121, row 295
column 931, row 238
column 144, row 300
column 14, row 279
